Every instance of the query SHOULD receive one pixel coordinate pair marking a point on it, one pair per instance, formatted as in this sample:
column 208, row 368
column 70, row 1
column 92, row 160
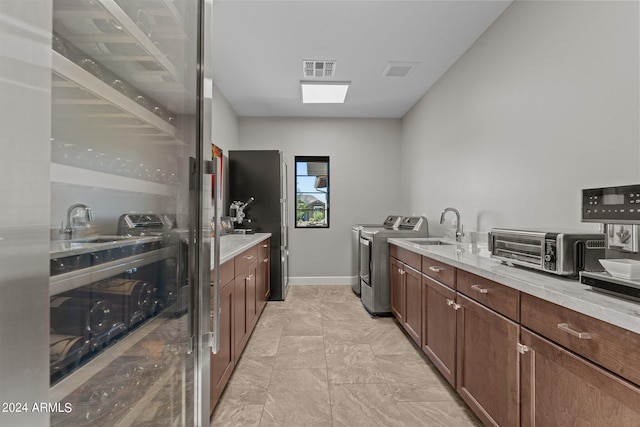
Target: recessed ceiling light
column 324, row 92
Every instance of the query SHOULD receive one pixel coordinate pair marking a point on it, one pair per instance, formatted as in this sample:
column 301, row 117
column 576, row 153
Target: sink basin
column 102, row 239
column 430, row 242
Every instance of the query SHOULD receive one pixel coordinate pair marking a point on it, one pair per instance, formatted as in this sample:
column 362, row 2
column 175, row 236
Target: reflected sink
column 102, row 239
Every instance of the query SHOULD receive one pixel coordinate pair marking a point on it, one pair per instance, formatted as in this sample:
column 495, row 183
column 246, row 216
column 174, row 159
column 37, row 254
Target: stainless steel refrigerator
column 262, row 174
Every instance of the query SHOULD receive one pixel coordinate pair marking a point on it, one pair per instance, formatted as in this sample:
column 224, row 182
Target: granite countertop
column 234, row 244
column 572, row 294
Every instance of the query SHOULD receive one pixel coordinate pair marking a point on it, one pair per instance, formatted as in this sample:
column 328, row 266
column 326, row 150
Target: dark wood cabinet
column 223, row 362
column 560, row 388
column 406, row 298
column 397, row 289
column 607, row 345
column 487, row 363
column 413, row 304
column 439, row 327
column 516, row 359
column 244, row 289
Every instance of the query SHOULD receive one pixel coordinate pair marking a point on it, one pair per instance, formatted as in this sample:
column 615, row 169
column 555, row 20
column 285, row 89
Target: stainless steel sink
column 101, row 239
column 431, row 242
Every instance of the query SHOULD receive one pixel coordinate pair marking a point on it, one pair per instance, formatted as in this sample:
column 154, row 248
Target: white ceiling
column 259, row 46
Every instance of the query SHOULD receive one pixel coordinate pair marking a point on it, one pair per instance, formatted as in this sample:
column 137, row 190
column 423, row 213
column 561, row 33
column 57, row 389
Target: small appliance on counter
column 561, row 252
column 618, row 210
column 237, row 215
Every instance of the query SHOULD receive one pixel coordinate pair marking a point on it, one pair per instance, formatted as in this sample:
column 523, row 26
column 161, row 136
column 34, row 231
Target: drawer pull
column 248, row 257
column 436, row 269
column 265, row 246
column 582, row 335
column 479, row 289
column 453, row 304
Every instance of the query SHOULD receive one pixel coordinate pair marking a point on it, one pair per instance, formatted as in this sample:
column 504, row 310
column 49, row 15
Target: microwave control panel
column 612, row 204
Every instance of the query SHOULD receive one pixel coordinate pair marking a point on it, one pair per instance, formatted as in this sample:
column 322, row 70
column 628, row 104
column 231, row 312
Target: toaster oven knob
column 549, row 258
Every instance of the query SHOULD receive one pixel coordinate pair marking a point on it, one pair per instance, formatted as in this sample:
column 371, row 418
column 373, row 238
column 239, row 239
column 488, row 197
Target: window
column 312, row 192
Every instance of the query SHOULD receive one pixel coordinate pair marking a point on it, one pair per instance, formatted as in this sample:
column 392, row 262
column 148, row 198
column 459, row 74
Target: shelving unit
column 71, row 175
column 72, row 280
column 85, row 100
column 105, row 32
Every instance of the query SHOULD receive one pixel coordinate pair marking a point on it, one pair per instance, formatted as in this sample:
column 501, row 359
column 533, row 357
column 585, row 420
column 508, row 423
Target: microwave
column 564, row 253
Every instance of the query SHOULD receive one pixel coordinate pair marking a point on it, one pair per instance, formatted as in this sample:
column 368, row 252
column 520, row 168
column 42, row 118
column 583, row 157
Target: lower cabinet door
column 222, row 362
column 239, row 315
column 487, row 363
column 396, row 276
column 559, row 388
column 413, row 304
column 251, row 301
column 439, row 327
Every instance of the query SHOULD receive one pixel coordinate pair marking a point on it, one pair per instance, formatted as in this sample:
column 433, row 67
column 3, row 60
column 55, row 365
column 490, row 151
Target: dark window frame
column 297, row 211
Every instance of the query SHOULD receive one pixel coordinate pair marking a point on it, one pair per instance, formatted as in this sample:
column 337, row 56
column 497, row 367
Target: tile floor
column 318, row 359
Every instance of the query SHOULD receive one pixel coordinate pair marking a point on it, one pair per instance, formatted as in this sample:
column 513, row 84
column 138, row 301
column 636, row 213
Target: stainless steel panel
column 25, row 81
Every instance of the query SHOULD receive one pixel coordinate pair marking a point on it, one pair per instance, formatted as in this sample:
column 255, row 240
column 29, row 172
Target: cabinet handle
column 248, row 257
column 265, row 246
column 479, row 289
column 265, row 260
column 436, row 269
column 582, row 335
column 401, row 271
column 250, row 277
column 453, row 304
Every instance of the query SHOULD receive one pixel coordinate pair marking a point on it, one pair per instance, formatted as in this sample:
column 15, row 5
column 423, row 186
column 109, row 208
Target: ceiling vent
column 398, row 69
column 318, row 68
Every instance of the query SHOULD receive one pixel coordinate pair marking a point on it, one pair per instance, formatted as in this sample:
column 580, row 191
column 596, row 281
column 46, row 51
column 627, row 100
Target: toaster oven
column 552, row 251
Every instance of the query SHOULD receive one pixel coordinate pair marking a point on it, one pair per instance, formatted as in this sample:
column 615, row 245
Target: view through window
column 312, row 192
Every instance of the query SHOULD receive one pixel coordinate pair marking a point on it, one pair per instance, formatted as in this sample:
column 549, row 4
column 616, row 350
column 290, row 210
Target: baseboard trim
column 328, row 280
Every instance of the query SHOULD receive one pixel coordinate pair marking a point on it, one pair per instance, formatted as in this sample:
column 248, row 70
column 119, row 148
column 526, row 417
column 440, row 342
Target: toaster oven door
column 526, row 249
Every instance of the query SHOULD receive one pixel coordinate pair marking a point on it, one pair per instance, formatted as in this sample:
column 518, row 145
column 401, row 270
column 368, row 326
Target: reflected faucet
column 87, row 216
column 459, row 230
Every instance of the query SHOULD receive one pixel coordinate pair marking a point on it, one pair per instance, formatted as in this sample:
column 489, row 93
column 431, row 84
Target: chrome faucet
column 88, row 216
column 459, row 230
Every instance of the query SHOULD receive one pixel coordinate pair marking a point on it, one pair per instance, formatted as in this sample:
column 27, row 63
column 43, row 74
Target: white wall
column 543, row 105
column 364, row 183
column 224, row 122
column 225, row 133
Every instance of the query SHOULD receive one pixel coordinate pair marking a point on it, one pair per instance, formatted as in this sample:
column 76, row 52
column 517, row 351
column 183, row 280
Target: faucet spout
column 459, row 228
column 87, row 216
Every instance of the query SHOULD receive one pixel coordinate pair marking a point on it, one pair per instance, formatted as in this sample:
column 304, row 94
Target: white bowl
column 624, row 268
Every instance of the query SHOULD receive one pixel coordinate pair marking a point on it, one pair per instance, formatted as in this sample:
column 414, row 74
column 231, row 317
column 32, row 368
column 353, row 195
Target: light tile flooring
column 318, row 359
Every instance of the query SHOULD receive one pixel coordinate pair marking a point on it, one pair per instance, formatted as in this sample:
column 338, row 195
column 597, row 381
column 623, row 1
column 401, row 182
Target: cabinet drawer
column 500, row 298
column 410, row 258
column 227, row 273
column 245, row 259
column 607, row 345
column 443, row 273
column 264, row 249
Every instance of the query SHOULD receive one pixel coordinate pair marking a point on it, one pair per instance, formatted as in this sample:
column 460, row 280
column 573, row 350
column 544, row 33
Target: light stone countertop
column 568, row 293
column 234, row 244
